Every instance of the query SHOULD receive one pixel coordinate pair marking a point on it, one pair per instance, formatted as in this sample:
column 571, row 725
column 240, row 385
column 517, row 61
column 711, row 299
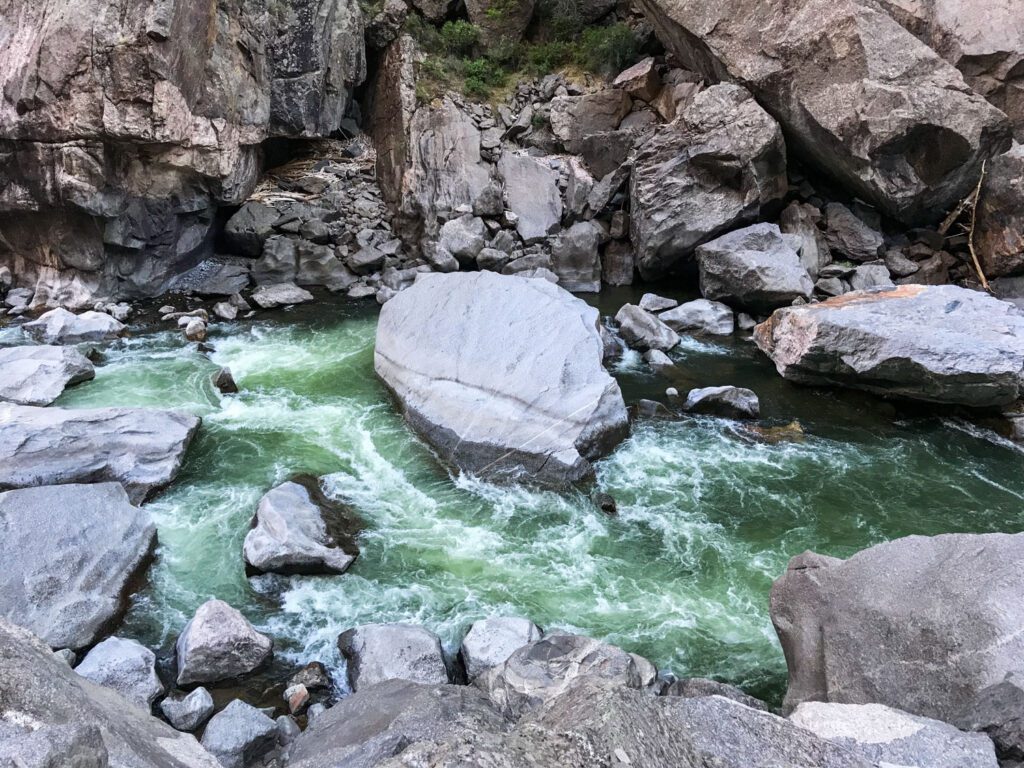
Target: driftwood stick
column 970, row 232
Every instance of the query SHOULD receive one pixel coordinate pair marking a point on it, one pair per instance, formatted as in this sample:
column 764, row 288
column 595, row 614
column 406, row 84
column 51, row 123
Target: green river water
column 707, row 517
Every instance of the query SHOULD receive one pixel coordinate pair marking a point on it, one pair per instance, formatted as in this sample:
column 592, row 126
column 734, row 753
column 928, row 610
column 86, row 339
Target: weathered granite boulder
column 140, row 448
column 54, row 717
column 490, row 642
column 72, row 588
column 219, row 643
column 532, row 193
column 700, row 316
column 643, row 330
column 940, row 344
column 250, row 227
column 378, row 652
column 576, row 257
column 727, row 402
column 280, row 295
column 379, row 721
column 887, row 736
column 290, row 535
column 699, row 177
column 537, row 673
column 58, row 326
column 239, row 735
column 502, row 375
column 37, row 375
column 947, row 608
column 463, row 237
column 984, row 40
column 849, row 236
column 999, row 712
column 188, row 712
column 574, row 118
column 756, row 269
column 125, row 666
column 1000, row 225
column 699, row 687
column 875, row 107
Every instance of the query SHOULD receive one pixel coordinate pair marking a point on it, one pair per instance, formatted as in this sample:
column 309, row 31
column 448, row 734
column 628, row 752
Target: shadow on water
column 707, row 516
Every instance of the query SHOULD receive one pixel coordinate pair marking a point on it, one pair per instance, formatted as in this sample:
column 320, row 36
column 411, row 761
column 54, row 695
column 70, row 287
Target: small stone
column 606, row 503
column 314, row 712
column 225, row 310
column 287, row 730
column 239, row 734
column 195, row 330
column 67, row 656
column 314, row 676
column 188, row 712
column 297, row 697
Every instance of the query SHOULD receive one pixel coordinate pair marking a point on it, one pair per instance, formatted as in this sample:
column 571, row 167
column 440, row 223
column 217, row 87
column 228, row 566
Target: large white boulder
column 37, row 375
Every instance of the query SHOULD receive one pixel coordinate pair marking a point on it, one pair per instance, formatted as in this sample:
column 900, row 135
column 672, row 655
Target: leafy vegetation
column 456, row 60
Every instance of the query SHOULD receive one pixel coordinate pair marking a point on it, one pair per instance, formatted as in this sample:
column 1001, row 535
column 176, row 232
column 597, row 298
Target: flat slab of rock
column 503, row 375
column 58, row 326
column 948, row 607
column 239, row 734
column 940, row 344
column 701, row 316
column 141, row 448
column 125, row 666
column 727, row 402
column 219, row 643
column 291, row 536
column 62, row 719
column 378, row 652
column 490, row 642
column 280, row 295
column 69, row 554
column 889, row 737
column 38, row 375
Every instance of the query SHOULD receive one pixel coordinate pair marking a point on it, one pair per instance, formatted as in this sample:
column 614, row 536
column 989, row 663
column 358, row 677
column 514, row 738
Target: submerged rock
column 502, row 375
column 378, row 652
column 887, row 736
column 140, row 448
column 219, row 643
column 55, row 717
column 38, row 375
column 69, row 554
column 188, row 712
column 940, row 344
column 239, row 734
column 948, row 608
column 125, row 666
column 490, row 642
column 290, row 535
column 58, row 326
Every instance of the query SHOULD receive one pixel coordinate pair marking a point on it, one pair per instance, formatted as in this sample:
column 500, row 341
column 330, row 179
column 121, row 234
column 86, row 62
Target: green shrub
column 607, row 50
column 481, row 77
column 459, row 38
column 543, row 58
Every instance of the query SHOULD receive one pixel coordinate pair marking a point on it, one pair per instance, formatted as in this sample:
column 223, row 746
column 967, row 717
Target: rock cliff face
column 124, row 125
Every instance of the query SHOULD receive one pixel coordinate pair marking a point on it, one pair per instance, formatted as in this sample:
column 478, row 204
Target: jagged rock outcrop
column 939, row 344
column 502, row 375
column 53, row 716
column 983, row 39
column 38, row 375
column 140, row 448
column 874, row 107
column 70, row 554
column 948, row 608
column 1000, row 224
column 697, row 178
column 123, row 127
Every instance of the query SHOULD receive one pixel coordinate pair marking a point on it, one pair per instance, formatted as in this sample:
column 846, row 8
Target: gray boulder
column 125, row 666
column 239, row 735
column 378, row 652
column 58, row 326
column 50, row 712
column 490, row 642
column 756, row 269
column 463, row 237
column 706, row 174
column 140, row 448
column 290, row 535
column 868, row 276
column 532, row 193
column 188, row 712
column 699, row 687
column 940, row 344
column 864, row 108
column 803, row 221
column 643, row 331
column 576, row 258
column 278, row 262
column 537, row 673
column 219, row 643
column 652, row 302
column 38, row 375
column 249, row 227
column 280, row 295
column 574, row 118
column 728, row 402
column 998, row 711
column 503, row 375
column 949, row 632
column 106, row 540
column 380, row 721
column 851, row 237
column 887, row 736
column 701, row 316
